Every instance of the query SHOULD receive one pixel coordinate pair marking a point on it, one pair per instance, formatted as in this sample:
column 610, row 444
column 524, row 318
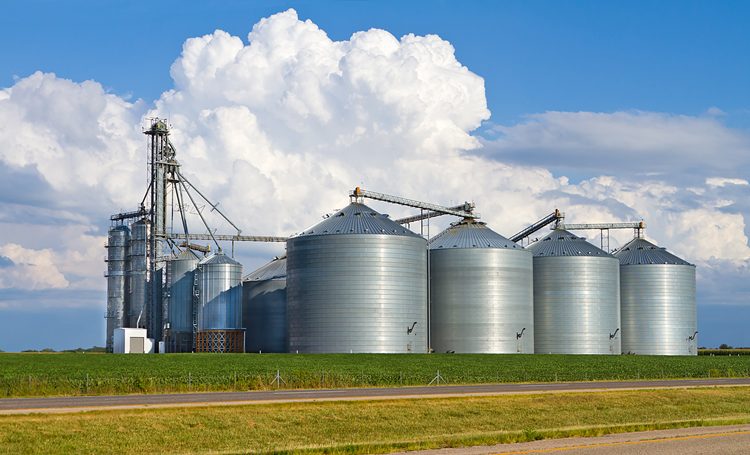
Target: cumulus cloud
column 30, row 269
column 78, row 138
column 278, row 128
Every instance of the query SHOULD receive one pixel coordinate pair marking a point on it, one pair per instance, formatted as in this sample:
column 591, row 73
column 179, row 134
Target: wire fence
column 103, row 384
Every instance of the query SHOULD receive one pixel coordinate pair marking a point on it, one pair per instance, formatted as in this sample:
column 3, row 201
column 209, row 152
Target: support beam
column 636, row 226
column 227, row 238
column 585, row 226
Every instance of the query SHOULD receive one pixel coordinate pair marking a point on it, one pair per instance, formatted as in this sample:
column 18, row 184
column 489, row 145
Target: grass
column 371, row 427
column 42, row 374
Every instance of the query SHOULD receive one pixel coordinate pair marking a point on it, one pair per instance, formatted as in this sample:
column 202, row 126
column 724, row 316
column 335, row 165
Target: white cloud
column 279, row 128
column 79, row 138
column 723, row 181
column 30, row 269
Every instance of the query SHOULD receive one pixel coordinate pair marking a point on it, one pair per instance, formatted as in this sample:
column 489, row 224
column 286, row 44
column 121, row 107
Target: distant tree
column 725, row 346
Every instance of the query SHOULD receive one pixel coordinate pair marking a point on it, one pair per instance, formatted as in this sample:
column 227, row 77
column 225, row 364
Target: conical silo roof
column 218, row 258
column 272, row 271
column 641, row 251
column 186, row 254
column 470, row 234
column 357, row 218
column 563, row 243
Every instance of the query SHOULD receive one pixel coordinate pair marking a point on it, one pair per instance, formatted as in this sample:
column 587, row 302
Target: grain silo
column 219, row 311
column 264, row 308
column 357, row 282
column 180, row 283
column 136, row 276
column 658, row 301
column 117, row 245
column 576, row 296
column 481, row 292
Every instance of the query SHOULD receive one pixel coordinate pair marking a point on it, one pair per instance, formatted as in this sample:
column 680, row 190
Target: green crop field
column 95, row 374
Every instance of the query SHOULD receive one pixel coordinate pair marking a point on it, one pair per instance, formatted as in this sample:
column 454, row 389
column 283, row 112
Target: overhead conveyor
column 604, row 228
column 555, row 217
column 428, row 210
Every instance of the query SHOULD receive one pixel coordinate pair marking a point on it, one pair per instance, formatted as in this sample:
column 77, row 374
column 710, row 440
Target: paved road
column 727, row 440
column 68, row 404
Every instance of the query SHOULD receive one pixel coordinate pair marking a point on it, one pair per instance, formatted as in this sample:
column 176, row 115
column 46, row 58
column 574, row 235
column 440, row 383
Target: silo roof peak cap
column 473, row 234
column 640, row 251
column 357, row 218
column 560, row 242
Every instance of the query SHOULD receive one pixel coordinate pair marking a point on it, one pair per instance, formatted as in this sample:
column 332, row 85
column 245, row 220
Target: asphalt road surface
column 85, row 403
column 725, row 440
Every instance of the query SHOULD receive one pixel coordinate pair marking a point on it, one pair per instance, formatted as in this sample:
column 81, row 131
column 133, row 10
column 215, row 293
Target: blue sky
column 668, row 56
column 612, row 70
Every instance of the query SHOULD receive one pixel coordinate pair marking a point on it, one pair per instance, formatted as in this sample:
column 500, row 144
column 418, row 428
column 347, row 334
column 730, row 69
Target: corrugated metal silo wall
column 576, row 305
column 180, row 278
column 481, row 298
column 264, row 315
column 156, row 302
column 138, row 266
column 357, row 293
column 658, row 309
column 219, row 296
column 117, row 243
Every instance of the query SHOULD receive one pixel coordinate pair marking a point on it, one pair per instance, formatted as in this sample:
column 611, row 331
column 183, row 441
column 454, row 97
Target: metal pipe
column 200, row 214
column 213, row 206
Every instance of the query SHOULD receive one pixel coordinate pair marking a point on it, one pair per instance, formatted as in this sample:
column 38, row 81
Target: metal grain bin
column 357, row 282
column 219, row 280
column 576, row 296
column 481, row 292
column 117, row 245
column 219, row 294
column 138, row 267
column 658, row 301
column 180, row 281
column 264, row 308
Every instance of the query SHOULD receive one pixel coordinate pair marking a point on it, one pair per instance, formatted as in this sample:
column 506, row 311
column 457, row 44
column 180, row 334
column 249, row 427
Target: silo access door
column 136, row 345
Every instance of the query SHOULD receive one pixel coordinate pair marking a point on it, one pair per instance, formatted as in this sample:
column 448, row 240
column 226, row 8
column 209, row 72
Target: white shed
column 132, row 341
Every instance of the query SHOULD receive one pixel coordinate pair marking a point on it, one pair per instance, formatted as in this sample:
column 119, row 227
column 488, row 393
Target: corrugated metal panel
column 563, row 243
column 641, row 251
column 264, row 308
column 481, row 298
column 117, row 244
column 357, row 218
column 576, row 297
column 357, row 282
column 275, row 269
column 180, row 282
column 658, row 301
column 138, row 266
column 470, row 234
column 218, row 259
